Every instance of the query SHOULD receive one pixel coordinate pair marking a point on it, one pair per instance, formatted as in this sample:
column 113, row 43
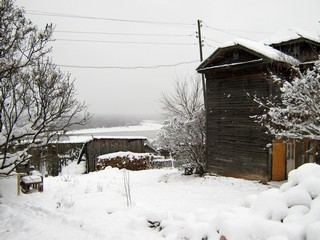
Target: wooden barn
column 97, row 146
column 236, row 145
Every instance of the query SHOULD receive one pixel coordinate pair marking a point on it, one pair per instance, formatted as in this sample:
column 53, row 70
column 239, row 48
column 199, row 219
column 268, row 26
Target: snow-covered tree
column 296, row 112
column 183, row 132
column 37, row 100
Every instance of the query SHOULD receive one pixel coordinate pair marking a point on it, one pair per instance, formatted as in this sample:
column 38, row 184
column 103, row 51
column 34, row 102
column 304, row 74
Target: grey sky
column 121, row 91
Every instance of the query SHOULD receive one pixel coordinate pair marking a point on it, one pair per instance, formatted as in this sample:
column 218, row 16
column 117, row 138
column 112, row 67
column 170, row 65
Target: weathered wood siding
column 97, row 147
column 236, row 145
column 301, row 49
column 53, row 156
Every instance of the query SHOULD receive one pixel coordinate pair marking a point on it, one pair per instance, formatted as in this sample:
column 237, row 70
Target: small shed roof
column 120, row 137
column 86, row 138
column 290, row 35
column 121, row 154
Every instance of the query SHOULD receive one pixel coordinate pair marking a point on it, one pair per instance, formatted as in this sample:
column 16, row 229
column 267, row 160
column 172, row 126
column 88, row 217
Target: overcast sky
column 134, row 33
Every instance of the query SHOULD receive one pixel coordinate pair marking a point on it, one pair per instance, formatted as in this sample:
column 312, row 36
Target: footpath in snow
column 165, row 205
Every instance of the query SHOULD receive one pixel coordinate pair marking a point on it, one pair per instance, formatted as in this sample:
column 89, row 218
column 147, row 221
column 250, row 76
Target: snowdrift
column 289, row 213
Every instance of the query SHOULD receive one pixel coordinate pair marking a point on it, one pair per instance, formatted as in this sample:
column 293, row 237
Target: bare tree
column 183, row 132
column 37, row 100
column 185, row 101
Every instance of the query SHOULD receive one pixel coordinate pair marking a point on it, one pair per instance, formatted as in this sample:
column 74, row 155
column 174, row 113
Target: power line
column 125, row 34
column 127, row 68
column 53, row 14
column 208, row 45
column 220, row 30
column 212, row 40
column 124, row 42
column 246, row 31
column 229, row 31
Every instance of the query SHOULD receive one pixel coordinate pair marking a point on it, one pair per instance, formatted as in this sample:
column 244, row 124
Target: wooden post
column 18, row 184
column 279, row 160
column 201, row 59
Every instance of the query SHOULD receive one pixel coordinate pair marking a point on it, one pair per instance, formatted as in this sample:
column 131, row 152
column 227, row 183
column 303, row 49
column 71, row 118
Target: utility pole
column 201, row 59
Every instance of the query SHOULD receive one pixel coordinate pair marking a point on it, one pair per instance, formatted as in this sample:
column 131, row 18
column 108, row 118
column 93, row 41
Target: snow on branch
column 296, row 112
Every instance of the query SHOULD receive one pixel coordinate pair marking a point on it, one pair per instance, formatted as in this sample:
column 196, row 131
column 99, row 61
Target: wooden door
column 290, row 156
column 279, row 160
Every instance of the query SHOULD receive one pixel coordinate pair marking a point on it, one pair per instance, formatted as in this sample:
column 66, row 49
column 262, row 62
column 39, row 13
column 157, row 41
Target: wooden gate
column 279, row 160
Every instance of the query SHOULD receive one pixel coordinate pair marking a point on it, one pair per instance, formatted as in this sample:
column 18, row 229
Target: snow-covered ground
column 165, row 205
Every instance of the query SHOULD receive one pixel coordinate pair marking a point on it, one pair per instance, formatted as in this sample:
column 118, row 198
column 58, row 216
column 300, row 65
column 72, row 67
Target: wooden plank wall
column 300, row 49
column 98, row 147
column 236, row 145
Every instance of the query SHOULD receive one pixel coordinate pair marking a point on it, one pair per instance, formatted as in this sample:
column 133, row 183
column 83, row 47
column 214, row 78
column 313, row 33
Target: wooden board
column 279, row 161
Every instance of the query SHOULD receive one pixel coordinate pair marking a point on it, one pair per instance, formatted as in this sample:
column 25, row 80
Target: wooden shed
column 103, row 145
column 290, row 153
column 237, row 146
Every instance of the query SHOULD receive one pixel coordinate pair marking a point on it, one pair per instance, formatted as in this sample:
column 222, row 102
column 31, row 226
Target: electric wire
column 206, row 38
column 125, row 34
column 246, row 31
column 53, row 14
column 127, row 68
column 124, row 42
column 223, row 31
column 226, row 31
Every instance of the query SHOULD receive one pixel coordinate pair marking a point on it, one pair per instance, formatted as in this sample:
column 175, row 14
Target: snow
column 86, row 138
column 128, row 155
column 148, row 128
column 144, row 126
column 266, row 51
column 165, row 205
column 291, row 212
column 260, row 48
column 289, row 34
column 31, row 179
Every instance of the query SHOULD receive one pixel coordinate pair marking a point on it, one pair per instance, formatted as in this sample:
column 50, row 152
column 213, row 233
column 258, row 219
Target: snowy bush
column 183, row 132
column 296, row 112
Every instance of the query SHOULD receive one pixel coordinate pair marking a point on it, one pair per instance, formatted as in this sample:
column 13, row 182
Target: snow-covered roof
column 257, row 47
column 121, row 137
column 129, row 155
column 265, row 48
column 289, row 35
column 267, row 51
column 86, row 138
